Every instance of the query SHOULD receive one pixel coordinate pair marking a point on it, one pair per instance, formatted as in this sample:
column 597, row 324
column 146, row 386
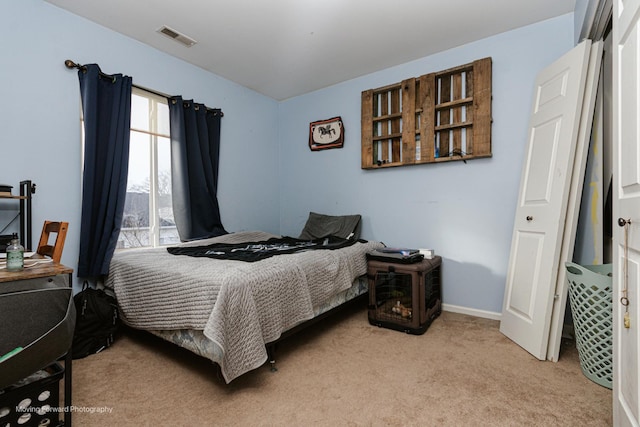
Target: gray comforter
column 239, row 306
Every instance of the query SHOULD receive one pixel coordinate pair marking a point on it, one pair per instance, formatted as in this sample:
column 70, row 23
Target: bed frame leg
column 271, row 352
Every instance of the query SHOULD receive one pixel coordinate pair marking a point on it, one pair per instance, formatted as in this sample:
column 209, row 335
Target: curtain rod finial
column 70, row 64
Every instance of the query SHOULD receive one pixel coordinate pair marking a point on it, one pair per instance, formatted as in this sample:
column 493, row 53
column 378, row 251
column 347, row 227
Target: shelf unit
column 437, row 117
column 27, row 189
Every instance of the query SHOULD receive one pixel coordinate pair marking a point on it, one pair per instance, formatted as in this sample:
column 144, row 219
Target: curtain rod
column 70, row 64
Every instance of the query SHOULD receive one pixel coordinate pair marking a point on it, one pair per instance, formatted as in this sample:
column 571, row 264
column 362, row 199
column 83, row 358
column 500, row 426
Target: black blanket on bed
column 256, row 251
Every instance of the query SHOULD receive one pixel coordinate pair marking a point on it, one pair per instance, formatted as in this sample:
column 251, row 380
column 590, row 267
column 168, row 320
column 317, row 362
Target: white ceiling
column 284, row 48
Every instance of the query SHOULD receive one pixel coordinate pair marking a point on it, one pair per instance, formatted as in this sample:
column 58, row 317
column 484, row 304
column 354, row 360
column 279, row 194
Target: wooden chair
column 52, row 250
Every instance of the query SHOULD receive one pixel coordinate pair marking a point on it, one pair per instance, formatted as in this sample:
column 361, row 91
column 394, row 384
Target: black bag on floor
column 97, row 321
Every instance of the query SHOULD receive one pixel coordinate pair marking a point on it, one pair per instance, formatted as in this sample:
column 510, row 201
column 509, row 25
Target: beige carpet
column 344, row 372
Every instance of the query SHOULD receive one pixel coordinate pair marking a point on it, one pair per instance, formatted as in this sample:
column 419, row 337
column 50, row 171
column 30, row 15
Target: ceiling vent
column 175, row 35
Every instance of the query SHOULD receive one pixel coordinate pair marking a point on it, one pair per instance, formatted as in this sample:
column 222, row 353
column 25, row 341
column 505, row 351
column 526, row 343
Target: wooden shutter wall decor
column 436, row 117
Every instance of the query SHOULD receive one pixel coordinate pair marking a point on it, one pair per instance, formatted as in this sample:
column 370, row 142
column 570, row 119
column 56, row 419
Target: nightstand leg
column 67, row 388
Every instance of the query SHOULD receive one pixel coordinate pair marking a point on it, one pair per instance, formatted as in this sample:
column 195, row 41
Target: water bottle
column 15, row 254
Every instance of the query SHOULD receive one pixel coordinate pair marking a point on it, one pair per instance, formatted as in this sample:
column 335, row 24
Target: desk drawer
column 59, row 281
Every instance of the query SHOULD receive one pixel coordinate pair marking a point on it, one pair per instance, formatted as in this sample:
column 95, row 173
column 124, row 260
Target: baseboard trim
column 472, row 312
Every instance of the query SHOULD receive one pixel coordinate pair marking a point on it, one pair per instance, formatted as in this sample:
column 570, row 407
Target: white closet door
column 542, row 203
column 575, row 196
column 626, row 206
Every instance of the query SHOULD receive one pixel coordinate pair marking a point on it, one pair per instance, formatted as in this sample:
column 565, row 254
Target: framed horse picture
column 325, row 134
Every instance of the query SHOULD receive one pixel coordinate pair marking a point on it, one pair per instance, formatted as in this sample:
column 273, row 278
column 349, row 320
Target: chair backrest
column 52, row 250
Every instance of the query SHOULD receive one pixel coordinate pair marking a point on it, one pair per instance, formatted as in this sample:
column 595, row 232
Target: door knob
column 622, row 222
column 529, row 218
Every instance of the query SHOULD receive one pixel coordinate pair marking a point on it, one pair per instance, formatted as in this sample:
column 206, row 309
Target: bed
column 229, row 311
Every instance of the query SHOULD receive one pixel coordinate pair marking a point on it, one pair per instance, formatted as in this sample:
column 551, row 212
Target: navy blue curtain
column 106, row 107
column 195, row 152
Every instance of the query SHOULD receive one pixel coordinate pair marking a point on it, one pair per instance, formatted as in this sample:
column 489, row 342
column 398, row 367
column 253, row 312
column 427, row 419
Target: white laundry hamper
column 591, row 299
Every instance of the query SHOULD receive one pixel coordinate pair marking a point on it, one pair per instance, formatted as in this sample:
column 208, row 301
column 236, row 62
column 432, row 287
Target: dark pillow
column 319, row 226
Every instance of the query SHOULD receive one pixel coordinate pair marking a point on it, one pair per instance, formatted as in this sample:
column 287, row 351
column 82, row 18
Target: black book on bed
column 401, row 256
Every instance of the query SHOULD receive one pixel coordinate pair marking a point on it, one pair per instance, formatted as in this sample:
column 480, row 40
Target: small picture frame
column 325, row 134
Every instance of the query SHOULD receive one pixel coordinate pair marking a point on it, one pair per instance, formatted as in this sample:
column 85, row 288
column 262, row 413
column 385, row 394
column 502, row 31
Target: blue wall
column 35, row 40
column 463, row 211
column 269, row 179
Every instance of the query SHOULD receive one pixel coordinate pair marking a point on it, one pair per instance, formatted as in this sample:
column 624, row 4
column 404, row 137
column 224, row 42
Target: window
column 436, row 117
column 148, row 213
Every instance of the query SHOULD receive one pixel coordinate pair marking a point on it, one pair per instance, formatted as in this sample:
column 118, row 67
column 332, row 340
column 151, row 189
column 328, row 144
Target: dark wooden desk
column 37, row 267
